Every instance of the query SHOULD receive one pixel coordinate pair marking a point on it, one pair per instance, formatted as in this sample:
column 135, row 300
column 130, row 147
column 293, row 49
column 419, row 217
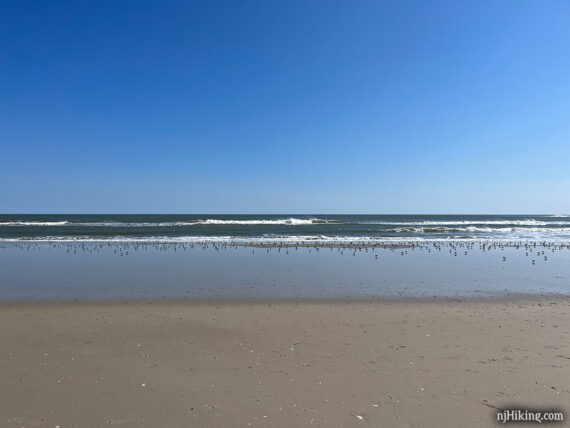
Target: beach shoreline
column 499, row 298
column 405, row 362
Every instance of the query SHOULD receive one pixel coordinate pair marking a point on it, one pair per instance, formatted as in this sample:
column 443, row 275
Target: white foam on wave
column 290, row 222
column 536, row 233
column 301, row 239
column 33, row 223
column 530, row 222
column 290, row 240
column 127, row 224
column 209, row 221
column 478, row 229
column 286, row 221
column 557, row 230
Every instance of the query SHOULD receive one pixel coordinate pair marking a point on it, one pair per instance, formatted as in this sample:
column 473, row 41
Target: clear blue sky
column 285, row 106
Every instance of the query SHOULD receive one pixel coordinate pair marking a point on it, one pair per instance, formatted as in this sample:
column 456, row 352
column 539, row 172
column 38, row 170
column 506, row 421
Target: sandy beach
column 284, row 364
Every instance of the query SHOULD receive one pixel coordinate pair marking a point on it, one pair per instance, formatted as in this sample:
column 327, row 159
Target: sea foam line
column 282, row 240
column 33, row 223
column 287, row 221
column 529, row 222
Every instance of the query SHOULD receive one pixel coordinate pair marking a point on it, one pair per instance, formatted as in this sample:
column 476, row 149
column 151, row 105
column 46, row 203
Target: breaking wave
column 530, row 222
column 209, row 221
column 33, row 223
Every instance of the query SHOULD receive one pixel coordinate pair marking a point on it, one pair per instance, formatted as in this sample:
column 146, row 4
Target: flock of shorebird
column 534, row 250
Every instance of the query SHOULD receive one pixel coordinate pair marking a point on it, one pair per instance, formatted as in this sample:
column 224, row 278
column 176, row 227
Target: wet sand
column 223, row 364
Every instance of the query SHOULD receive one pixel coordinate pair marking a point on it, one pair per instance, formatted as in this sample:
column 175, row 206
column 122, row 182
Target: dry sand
column 182, row 364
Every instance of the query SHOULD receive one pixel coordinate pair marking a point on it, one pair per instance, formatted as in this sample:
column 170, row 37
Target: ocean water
column 52, row 257
column 294, row 228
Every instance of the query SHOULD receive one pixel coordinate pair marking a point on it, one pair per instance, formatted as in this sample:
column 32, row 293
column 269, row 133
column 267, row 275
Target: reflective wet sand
column 66, row 271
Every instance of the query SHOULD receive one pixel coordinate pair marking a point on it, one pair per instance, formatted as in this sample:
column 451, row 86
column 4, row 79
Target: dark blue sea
column 282, row 228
